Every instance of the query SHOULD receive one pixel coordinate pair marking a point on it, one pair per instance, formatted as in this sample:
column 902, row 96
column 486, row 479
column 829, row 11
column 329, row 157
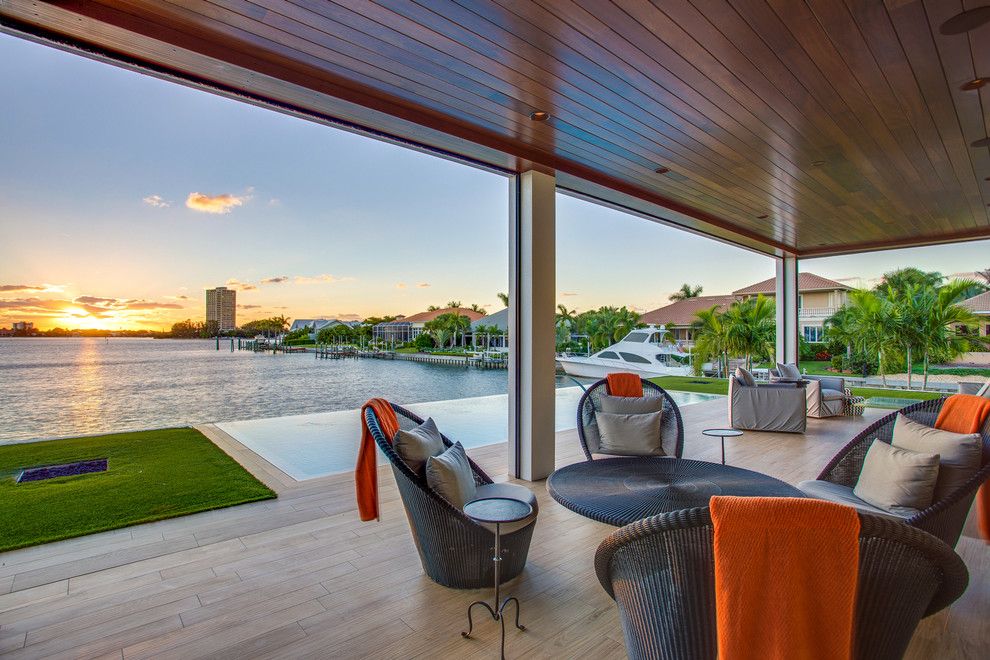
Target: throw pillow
column 416, row 445
column 895, row 478
column 788, row 371
column 745, row 378
column 959, row 453
column 450, row 475
column 630, row 435
column 630, row 405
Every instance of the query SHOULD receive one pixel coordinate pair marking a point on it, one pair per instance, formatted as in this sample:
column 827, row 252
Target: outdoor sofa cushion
column 630, row 405
column 788, row 371
column 450, row 475
column 417, row 445
column 984, row 391
column 745, row 378
column 893, row 478
column 509, row 492
column 959, row 453
column 832, row 395
column 826, row 490
column 630, row 434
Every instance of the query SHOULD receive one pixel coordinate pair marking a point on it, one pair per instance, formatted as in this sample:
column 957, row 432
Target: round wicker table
column 619, row 491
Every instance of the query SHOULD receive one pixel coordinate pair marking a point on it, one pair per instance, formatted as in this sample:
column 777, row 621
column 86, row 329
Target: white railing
column 816, row 312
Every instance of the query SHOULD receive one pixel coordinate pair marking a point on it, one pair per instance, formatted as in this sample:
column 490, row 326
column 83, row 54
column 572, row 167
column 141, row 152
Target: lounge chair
column 455, row 550
column 944, row 518
column 671, row 430
column 826, row 395
column 660, row 571
column 767, row 406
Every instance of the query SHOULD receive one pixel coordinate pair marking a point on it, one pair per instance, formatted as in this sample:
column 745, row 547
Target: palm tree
column 943, row 315
column 504, row 297
column 686, row 291
column 984, row 275
column 564, row 323
column 711, row 340
column 751, row 326
column 875, row 323
column 475, row 307
column 910, row 309
column 840, row 327
column 454, row 304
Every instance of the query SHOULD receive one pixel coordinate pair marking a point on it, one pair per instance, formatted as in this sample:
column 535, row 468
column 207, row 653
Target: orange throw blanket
column 366, row 472
column 624, row 384
column 967, row 413
column 785, row 578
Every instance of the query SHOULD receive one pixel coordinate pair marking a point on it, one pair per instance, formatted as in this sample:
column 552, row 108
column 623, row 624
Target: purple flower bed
column 65, row 470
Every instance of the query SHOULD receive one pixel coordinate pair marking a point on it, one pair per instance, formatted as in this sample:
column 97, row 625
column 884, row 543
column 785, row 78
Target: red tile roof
column 423, row 317
column 806, row 282
column 682, row 312
column 979, row 304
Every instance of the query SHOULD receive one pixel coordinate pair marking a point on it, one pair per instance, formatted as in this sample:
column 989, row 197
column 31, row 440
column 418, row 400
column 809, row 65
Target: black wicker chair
column 944, row 518
column 671, row 431
column 660, row 571
column 455, row 550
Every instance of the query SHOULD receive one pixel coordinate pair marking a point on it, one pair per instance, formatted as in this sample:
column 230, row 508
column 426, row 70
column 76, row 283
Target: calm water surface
column 64, row 387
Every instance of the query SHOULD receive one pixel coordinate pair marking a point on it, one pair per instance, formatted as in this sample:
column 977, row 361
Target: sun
column 79, row 319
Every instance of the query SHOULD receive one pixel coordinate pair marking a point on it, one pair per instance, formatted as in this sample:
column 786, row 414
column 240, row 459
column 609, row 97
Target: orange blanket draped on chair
column 624, row 384
column 967, row 413
column 366, row 472
column 785, row 578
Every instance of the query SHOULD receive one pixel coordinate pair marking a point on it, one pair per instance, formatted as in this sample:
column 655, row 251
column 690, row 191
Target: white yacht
column 644, row 351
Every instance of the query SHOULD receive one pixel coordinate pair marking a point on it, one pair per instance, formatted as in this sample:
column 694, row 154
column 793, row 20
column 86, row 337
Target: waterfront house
column 407, row 328
column 980, row 305
column 315, row 325
column 818, row 298
column 499, row 320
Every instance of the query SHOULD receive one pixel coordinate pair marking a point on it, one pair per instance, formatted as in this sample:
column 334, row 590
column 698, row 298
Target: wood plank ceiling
column 812, row 127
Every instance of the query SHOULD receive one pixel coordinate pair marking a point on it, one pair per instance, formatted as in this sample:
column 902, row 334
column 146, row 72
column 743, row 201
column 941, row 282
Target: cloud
column 275, row 280
column 93, row 300
column 145, row 304
column 218, row 204
column 423, row 285
column 237, row 285
column 318, row 279
column 20, row 287
column 156, row 201
column 400, row 285
column 83, row 306
column 568, row 294
column 248, row 306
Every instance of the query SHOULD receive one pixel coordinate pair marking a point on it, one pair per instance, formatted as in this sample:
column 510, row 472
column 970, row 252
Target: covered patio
column 792, row 129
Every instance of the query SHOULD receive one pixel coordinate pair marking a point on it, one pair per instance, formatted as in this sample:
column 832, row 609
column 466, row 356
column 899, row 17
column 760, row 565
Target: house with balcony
column 407, row 328
column 818, row 298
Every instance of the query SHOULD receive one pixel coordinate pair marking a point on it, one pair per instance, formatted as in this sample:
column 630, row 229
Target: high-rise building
column 221, row 307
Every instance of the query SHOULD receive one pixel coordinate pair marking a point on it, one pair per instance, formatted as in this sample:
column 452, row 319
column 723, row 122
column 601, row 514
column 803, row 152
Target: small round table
column 618, row 491
column 497, row 510
column 722, row 433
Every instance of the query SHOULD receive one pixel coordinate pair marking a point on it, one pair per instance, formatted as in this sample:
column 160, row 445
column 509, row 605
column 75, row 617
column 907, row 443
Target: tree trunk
column 883, row 373
column 924, row 382
column 910, row 366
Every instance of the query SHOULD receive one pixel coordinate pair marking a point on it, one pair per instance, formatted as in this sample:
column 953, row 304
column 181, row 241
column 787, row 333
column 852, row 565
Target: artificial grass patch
column 151, row 475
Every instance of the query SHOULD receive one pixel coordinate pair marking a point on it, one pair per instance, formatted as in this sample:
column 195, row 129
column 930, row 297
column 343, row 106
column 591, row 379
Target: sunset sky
column 123, row 197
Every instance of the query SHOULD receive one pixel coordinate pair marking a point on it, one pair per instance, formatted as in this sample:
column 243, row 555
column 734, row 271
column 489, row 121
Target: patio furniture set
column 659, row 566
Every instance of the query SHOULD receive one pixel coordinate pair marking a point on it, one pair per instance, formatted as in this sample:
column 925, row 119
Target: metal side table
column 723, row 434
column 497, row 510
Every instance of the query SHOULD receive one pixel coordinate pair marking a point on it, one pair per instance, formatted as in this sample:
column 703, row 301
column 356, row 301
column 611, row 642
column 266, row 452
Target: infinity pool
column 318, row 444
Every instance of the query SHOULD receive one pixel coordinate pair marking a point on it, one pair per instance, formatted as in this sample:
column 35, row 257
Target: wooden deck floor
column 300, row 576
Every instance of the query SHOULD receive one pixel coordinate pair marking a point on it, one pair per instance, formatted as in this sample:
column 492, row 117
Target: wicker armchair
column 455, row 550
column 660, row 571
column 671, row 430
column 944, row 518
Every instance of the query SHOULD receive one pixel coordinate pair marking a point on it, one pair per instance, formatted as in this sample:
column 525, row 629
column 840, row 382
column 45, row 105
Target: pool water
column 319, row 444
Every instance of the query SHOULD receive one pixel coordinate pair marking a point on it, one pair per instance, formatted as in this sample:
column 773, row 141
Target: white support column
column 787, row 309
column 532, row 341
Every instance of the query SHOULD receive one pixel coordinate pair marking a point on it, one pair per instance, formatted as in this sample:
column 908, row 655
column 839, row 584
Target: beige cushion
column 959, row 453
column 630, row 435
column 416, row 445
column 631, row 405
column 893, row 477
column 745, row 378
column 450, row 475
column 788, row 371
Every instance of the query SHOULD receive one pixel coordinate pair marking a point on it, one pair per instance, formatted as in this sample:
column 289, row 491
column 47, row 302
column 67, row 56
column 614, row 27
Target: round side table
column 497, row 510
column 723, row 434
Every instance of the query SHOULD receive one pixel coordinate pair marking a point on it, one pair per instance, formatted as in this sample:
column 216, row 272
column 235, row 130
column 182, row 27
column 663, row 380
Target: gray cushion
column 826, row 490
column 745, row 378
column 984, row 391
column 631, row 405
column 450, row 475
column 416, row 445
column 832, row 395
column 958, row 453
column 630, row 435
column 512, row 492
column 788, row 371
column 893, row 477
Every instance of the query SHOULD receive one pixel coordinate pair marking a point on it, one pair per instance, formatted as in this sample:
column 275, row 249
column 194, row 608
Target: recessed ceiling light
column 966, row 21
column 818, row 163
column 975, row 83
column 539, row 115
column 662, row 170
column 762, row 217
column 982, row 142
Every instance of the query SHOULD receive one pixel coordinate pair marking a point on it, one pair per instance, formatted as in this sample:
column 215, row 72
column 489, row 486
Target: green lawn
column 151, row 475
column 717, row 386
